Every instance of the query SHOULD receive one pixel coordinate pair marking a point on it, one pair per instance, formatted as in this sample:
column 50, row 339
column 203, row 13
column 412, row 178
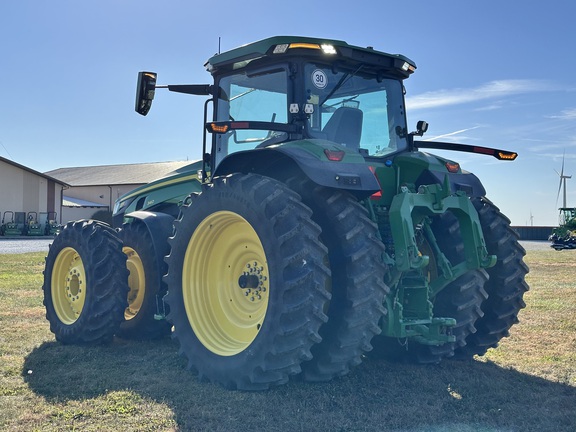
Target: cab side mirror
column 145, row 91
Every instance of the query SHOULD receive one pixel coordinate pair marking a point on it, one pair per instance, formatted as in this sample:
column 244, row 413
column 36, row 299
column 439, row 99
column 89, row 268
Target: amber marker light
column 326, row 48
column 218, row 129
column 304, row 45
column 453, row 167
column 507, row 156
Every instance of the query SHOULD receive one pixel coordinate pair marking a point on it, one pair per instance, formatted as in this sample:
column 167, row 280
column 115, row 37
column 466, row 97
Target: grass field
column 527, row 384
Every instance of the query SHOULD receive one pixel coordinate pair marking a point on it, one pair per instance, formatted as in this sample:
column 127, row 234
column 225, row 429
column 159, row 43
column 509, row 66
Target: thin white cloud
column 567, row 114
column 493, row 89
column 450, row 134
column 492, row 107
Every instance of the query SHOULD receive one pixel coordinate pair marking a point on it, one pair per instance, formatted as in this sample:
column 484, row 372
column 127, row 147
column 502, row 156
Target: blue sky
column 491, row 73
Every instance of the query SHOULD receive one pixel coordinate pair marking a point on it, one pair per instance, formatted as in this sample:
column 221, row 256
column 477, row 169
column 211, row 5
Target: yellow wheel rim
column 68, row 285
column 136, row 282
column 225, row 283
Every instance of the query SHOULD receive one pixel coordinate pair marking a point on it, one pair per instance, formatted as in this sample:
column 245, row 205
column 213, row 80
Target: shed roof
column 30, row 170
column 77, row 202
column 127, row 174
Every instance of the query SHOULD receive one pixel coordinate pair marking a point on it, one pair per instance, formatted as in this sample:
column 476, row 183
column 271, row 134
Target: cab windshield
column 354, row 109
column 359, row 111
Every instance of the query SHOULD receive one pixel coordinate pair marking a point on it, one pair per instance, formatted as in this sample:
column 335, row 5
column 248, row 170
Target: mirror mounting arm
column 194, row 89
column 146, row 88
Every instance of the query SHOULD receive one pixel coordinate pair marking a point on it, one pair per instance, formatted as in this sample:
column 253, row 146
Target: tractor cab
column 567, row 216
column 282, row 89
column 334, row 99
column 304, row 99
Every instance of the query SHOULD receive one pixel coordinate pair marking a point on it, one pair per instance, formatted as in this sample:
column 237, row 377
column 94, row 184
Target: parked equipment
column 12, row 223
column 49, row 222
column 33, row 226
column 564, row 237
column 312, row 227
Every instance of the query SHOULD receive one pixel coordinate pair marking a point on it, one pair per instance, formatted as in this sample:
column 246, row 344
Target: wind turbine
column 562, row 183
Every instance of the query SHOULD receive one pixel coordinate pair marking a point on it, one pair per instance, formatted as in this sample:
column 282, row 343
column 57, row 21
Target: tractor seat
column 345, row 127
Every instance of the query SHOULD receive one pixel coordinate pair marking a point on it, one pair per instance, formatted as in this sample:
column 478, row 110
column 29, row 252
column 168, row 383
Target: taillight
column 376, row 195
column 334, row 155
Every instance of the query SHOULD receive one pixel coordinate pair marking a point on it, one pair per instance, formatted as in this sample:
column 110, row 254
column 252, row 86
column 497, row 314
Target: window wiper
column 342, row 102
column 242, row 94
column 340, row 83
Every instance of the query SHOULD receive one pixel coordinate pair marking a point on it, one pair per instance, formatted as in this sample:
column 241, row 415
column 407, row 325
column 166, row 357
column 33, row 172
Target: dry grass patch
column 544, row 343
column 527, row 384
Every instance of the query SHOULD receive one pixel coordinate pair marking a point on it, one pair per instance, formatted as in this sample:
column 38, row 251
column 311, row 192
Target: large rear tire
column 357, row 284
column 247, row 282
column 461, row 299
column 85, row 283
column 145, row 278
column 506, row 286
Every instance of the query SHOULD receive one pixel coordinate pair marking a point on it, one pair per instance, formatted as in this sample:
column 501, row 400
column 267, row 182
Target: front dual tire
column 85, row 283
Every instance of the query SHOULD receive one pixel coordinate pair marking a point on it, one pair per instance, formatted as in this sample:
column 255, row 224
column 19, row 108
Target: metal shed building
column 24, row 190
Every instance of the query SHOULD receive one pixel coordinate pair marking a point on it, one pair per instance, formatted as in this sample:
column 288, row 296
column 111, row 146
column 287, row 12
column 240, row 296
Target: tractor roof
column 327, row 49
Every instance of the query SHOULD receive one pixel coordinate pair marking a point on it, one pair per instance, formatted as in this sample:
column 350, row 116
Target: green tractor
column 312, row 228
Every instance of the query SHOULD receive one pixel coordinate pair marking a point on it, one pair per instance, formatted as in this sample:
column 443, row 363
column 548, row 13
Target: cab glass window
column 251, row 97
column 361, row 111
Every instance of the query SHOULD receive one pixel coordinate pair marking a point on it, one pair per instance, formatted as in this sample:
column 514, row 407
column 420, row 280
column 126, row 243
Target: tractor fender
column 159, row 226
column 282, row 163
